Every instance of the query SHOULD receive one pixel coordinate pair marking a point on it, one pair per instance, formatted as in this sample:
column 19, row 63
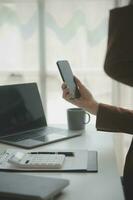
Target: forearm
column 92, row 107
column 114, row 119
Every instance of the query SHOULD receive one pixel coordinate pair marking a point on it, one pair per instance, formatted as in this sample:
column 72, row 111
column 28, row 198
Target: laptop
column 18, row 186
column 22, row 118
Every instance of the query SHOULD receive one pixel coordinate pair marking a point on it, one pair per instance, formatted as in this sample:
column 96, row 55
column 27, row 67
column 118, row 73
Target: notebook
column 18, row 187
column 22, row 119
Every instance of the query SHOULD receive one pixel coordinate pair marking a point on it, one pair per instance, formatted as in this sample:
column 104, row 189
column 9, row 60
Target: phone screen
column 68, row 78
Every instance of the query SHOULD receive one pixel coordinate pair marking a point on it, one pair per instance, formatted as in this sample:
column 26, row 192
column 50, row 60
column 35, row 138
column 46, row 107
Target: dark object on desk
column 29, row 187
column 22, row 118
column 67, row 154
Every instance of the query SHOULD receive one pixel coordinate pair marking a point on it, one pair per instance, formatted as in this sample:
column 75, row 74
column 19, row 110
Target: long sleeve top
column 119, row 66
column 115, row 119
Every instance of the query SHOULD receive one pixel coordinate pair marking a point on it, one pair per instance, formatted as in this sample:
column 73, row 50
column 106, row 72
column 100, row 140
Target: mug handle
column 88, row 118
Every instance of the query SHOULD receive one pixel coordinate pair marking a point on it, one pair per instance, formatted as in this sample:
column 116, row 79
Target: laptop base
column 44, row 139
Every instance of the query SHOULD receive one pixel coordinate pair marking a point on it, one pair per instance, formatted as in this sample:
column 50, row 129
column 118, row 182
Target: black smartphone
column 68, row 78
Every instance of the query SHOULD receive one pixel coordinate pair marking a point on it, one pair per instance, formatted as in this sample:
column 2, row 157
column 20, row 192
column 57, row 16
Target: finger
column 74, row 101
column 67, row 96
column 66, row 93
column 78, row 81
column 64, row 86
column 81, row 87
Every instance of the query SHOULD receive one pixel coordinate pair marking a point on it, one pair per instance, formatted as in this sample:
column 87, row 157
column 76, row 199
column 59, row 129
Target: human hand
column 85, row 101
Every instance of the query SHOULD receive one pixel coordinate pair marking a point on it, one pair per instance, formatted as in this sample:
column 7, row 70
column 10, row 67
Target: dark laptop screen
column 20, row 108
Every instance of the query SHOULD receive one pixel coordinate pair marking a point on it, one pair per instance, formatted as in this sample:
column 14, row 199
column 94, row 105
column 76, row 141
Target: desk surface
column 104, row 185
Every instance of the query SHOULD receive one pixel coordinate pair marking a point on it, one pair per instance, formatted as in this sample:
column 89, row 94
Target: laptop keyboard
column 25, row 136
column 39, row 134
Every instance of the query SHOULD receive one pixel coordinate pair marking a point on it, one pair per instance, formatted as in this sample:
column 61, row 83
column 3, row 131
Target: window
column 18, row 42
column 34, row 34
column 76, row 31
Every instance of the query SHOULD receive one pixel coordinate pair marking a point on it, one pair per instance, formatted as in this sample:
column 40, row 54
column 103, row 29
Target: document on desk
column 75, row 161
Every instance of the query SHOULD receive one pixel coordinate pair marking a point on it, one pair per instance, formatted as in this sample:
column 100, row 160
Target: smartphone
column 68, row 78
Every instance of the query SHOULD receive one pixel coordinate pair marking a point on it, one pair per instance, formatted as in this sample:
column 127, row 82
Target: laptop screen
column 20, row 109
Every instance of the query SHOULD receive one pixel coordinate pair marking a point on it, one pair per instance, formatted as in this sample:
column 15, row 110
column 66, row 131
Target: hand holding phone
column 68, row 78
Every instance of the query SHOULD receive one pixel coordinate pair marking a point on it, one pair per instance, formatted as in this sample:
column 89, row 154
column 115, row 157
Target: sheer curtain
column 76, row 31
column 34, row 34
column 18, row 40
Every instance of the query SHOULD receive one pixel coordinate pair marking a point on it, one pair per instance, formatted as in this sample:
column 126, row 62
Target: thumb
column 80, row 85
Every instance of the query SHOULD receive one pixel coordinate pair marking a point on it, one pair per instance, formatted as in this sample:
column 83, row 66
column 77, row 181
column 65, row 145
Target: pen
column 43, row 152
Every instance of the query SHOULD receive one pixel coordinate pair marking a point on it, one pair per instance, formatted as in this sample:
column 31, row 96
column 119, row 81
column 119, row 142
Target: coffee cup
column 77, row 118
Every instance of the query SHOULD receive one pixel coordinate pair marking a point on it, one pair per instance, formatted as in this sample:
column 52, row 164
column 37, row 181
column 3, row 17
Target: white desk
column 104, row 185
